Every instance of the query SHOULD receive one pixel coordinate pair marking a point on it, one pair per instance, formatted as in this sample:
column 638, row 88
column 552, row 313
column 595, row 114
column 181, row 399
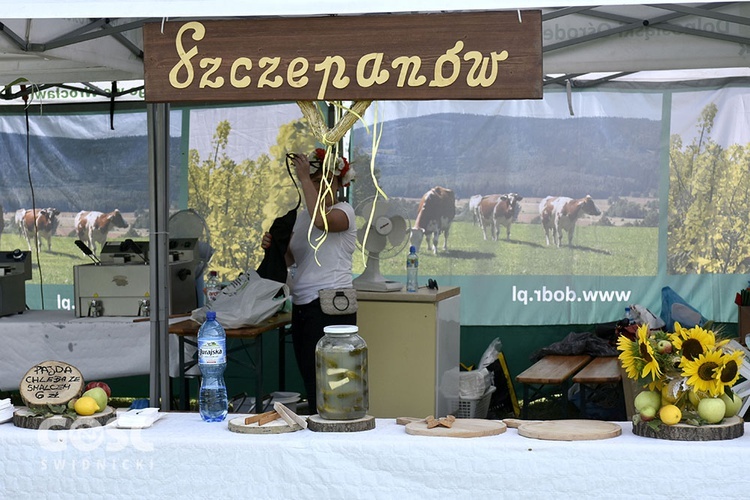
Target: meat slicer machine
column 15, row 269
column 118, row 282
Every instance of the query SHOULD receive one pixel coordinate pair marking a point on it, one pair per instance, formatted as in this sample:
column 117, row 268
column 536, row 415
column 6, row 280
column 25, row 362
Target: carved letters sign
column 478, row 55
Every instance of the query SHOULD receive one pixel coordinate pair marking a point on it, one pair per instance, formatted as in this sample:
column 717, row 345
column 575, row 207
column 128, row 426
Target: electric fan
column 189, row 224
column 386, row 238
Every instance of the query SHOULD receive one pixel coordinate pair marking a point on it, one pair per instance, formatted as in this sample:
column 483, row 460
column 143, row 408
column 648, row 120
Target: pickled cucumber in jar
column 341, row 374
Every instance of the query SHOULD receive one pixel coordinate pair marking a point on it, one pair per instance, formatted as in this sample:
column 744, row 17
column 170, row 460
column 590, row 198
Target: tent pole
column 158, row 133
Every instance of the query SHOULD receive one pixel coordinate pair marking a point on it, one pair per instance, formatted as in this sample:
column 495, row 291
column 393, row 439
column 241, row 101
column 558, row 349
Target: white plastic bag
column 247, row 301
column 643, row 315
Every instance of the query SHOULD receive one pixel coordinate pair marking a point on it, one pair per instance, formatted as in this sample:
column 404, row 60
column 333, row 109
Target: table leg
column 182, row 378
column 565, row 398
column 259, row 405
column 525, row 409
column 282, row 358
column 582, row 395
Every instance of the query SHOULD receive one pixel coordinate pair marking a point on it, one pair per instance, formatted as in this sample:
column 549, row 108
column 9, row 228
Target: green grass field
column 57, row 265
column 596, row 251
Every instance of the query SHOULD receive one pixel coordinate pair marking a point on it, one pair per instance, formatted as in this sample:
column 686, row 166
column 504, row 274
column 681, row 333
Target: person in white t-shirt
column 328, row 267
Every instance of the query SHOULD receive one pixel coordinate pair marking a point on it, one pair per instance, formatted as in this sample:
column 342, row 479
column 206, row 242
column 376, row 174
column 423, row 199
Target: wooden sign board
column 473, row 55
column 50, row 382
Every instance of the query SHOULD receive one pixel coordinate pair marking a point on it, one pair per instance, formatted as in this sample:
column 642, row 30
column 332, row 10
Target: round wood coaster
column 26, row 419
column 319, row 424
column 729, row 428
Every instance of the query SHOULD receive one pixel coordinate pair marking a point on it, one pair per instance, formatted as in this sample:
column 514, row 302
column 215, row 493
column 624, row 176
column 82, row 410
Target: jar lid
column 340, row 329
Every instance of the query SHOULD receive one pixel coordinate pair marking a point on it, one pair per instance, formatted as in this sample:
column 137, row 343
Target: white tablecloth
column 184, row 457
column 100, row 348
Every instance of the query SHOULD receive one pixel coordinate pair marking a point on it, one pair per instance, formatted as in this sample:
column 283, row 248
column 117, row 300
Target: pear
column 99, row 395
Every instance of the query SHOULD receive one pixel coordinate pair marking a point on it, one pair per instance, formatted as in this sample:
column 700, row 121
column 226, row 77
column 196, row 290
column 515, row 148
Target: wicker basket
column 472, row 408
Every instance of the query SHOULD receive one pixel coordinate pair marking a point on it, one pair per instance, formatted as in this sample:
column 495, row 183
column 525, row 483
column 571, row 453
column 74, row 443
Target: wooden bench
column 597, row 377
column 550, row 370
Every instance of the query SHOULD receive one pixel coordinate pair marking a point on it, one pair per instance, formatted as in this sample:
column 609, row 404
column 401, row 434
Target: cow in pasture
column 92, row 227
column 560, row 213
column 43, row 222
column 436, row 211
column 499, row 210
column 474, row 207
column 20, row 213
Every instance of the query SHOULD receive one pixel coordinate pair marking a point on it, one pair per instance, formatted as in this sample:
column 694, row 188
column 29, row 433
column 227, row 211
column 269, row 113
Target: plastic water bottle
column 213, row 403
column 213, row 287
column 629, row 315
column 412, row 270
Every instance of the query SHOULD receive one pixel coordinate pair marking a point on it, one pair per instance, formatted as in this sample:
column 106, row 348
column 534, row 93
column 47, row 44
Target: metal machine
column 118, row 282
column 15, row 269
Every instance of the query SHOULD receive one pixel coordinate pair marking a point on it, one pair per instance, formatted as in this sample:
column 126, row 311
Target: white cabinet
column 413, row 343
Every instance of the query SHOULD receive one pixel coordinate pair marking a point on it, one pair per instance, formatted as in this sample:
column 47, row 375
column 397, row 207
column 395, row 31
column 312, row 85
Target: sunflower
column 729, row 370
column 692, row 342
column 629, row 357
column 646, row 351
column 704, row 372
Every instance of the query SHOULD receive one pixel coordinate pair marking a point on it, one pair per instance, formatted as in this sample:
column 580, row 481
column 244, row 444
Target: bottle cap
column 211, row 316
column 412, row 249
column 340, row 329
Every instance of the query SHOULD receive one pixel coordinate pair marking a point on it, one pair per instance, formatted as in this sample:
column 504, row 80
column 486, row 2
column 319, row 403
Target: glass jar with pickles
column 341, row 374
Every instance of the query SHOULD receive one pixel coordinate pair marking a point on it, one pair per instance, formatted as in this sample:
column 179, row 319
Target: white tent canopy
column 615, row 37
column 53, row 42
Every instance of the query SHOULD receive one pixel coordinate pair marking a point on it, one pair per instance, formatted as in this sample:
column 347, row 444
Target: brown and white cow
column 92, row 227
column 560, row 213
column 499, row 210
column 44, row 221
column 436, row 211
column 19, row 220
column 474, row 202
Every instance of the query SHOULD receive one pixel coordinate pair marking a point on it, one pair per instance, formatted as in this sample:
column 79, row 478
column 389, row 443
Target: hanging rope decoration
column 330, row 137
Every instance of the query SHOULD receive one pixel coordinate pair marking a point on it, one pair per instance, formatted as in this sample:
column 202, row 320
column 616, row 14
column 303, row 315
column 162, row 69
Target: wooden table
column 602, row 373
column 189, row 328
column 550, row 370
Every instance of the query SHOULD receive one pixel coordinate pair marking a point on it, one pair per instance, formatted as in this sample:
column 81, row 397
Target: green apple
column 72, row 403
column 733, row 405
column 648, row 413
column 712, row 410
column 99, row 395
column 646, row 399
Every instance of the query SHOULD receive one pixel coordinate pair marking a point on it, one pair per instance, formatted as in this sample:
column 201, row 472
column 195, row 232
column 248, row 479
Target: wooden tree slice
column 276, row 427
column 729, row 428
column 462, row 428
column 319, row 424
column 50, row 383
column 569, row 430
column 25, row 418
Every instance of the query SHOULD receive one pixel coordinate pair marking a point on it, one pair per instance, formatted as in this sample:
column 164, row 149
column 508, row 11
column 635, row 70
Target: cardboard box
column 743, row 323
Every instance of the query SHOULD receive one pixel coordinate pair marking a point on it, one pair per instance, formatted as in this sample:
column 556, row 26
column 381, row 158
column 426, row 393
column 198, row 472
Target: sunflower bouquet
column 686, row 375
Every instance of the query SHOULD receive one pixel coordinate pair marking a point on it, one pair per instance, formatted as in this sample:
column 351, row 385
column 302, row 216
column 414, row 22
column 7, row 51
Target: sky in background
column 732, row 123
column 254, row 128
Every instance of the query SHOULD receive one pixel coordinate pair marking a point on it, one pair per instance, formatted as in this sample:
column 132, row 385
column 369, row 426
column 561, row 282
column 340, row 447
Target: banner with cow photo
column 567, row 211
column 561, row 211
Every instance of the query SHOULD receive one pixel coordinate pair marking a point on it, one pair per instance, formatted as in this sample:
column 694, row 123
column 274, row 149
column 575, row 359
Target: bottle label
column 212, row 351
column 212, row 293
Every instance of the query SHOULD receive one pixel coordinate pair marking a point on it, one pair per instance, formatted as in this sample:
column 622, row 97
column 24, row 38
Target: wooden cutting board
column 569, row 430
column 462, row 427
column 278, row 426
